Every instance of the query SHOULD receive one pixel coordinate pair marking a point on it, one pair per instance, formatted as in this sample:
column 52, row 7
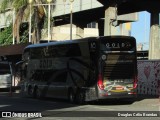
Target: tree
column 21, row 8
column 6, row 36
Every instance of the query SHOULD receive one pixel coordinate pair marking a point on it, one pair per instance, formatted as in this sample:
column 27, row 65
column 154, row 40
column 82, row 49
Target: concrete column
column 154, row 43
column 110, row 14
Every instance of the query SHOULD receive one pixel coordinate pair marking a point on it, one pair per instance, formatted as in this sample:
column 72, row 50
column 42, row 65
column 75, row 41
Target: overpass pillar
column 110, row 14
column 154, row 43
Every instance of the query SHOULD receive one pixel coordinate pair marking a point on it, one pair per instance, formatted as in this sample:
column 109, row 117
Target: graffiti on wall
column 149, row 77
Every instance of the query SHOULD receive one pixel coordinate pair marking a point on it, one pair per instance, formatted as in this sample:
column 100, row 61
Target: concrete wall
column 149, row 77
column 63, row 33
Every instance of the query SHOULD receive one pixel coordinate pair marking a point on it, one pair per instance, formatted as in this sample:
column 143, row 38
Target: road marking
column 1, row 106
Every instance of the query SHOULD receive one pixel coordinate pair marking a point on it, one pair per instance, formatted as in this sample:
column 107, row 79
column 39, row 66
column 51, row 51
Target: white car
column 5, row 75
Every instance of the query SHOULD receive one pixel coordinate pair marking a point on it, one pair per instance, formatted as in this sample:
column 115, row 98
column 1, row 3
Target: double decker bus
column 81, row 70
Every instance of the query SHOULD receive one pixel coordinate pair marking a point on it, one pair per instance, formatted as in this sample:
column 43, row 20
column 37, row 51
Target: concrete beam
column 130, row 6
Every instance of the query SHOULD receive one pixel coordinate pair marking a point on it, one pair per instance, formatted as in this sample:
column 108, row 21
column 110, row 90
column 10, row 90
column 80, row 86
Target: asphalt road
column 57, row 109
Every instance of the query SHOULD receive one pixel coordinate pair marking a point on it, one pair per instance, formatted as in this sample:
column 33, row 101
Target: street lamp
column 13, row 20
column 30, row 17
column 49, row 17
column 71, row 17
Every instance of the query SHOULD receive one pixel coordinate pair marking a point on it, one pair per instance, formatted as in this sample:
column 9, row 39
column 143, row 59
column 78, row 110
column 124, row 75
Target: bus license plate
column 119, row 88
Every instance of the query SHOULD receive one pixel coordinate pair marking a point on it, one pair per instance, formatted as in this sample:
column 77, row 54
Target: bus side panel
column 91, row 89
column 83, row 73
column 79, row 66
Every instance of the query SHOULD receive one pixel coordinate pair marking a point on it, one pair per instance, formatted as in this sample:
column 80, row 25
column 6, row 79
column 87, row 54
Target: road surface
column 57, row 109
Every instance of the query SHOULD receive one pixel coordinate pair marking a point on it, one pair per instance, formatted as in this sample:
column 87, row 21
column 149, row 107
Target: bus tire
column 71, row 96
column 30, row 91
column 80, row 97
column 37, row 93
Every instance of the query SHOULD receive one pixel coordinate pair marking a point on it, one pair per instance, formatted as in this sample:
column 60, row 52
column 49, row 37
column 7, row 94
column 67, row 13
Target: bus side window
column 61, row 78
column 73, row 50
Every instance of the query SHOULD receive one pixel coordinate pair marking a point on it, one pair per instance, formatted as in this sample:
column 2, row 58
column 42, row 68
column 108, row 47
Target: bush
column 6, row 36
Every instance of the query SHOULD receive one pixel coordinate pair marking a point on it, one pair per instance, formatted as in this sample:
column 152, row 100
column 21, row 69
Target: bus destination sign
column 118, row 45
column 124, row 45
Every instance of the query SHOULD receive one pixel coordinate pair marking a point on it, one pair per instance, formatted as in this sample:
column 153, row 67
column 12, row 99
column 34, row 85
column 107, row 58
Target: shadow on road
column 113, row 102
column 18, row 103
column 126, row 101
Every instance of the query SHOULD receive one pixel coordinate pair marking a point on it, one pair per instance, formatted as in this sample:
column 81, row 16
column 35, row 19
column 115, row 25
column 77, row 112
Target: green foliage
column 6, row 36
column 16, row 4
column 4, row 5
column 21, row 7
column 19, row 3
column 24, row 35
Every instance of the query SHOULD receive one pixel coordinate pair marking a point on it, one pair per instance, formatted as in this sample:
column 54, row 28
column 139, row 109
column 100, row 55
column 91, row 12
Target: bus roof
column 59, row 42
column 74, row 41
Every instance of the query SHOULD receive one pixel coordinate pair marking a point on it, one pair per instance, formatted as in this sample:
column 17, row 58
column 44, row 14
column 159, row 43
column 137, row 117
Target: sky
column 140, row 29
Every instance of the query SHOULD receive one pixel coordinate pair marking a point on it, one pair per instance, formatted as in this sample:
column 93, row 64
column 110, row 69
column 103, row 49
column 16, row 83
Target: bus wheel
column 30, row 91
column 37, row 93
column 80, row 97
column 71, row 96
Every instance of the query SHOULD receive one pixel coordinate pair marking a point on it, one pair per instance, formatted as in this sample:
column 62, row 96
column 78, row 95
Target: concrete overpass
column 84, row 12
column 129, row 6
column 81, row 18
